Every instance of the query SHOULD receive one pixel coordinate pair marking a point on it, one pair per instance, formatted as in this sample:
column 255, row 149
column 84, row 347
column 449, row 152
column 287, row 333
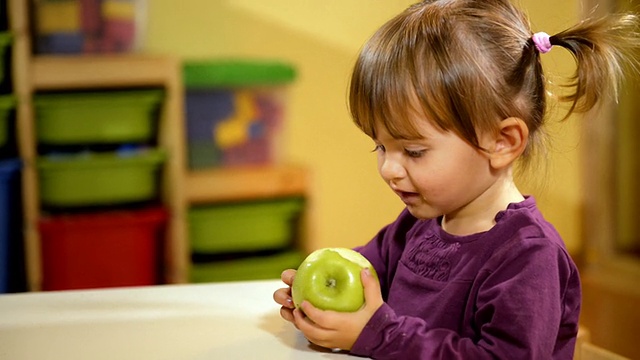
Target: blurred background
column 234, row 154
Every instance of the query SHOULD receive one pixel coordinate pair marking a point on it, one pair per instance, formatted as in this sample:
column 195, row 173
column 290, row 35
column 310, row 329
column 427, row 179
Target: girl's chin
column 420, row 212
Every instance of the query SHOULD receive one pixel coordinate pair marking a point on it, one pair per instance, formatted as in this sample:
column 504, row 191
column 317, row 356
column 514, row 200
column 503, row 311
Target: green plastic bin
column 99, row 179
column 243, row 226
column 97, row 117
column 7, row 103
column 224, row 73
column 252, row 268
column 6, row 38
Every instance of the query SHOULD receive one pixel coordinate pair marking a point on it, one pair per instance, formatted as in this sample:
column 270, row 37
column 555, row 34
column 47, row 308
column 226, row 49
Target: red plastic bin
column 109, row 249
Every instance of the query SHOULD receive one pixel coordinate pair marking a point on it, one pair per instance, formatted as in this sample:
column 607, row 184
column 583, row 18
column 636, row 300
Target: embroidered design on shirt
column 432, row 258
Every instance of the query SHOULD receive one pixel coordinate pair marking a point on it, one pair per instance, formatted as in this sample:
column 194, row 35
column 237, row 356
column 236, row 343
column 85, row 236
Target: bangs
column 390, row 86
column 381, row 95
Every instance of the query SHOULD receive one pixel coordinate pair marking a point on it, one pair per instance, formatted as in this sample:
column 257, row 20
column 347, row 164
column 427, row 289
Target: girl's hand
column 283, row 296
column 338, row 330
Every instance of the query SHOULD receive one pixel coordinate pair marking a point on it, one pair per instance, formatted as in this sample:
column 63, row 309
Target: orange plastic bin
column 108, row 249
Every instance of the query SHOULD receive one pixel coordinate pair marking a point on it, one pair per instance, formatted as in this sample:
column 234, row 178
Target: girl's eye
column 378, row 148
column 414, row 153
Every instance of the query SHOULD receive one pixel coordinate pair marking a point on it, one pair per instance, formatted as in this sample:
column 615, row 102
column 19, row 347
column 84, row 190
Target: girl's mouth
column 409, row 198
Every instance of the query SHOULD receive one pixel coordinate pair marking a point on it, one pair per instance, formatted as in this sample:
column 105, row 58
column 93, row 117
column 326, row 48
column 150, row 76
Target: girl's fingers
column 371, row 285
column 311, row 312
column 283, row 297
column 287, row 276
column 286, row 314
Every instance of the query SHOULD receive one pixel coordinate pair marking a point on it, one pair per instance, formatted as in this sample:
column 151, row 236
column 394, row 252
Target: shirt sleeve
column 385, row 249
column 519, row 307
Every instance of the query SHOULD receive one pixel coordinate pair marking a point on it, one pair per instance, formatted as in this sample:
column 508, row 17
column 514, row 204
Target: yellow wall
column 349, row 202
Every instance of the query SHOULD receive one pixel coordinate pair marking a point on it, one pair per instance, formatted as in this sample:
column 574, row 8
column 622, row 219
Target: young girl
column 452, row 93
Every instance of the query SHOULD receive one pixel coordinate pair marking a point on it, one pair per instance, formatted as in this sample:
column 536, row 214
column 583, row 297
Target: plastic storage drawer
column 6, row 38
column 7, row 104
column 234, row 111
column 98, row 117
column 109, row 249
column 10, row 225
column 243, row 226
column 250, row 268
column 88, row 26
column 99, row 178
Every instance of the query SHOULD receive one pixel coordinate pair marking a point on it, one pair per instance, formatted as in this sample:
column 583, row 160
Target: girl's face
column 439, row 174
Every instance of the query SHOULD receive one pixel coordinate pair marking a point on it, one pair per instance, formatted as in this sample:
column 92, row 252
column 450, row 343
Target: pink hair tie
column 542, row 42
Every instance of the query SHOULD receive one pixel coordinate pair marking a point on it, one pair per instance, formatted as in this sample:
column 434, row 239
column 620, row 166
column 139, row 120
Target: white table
column 236, row 320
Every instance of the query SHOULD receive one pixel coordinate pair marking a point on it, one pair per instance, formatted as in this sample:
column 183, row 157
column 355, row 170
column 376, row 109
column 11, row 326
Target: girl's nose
column 390, row 169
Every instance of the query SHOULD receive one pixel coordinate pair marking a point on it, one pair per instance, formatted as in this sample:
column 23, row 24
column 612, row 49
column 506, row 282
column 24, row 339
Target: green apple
column 329, row 279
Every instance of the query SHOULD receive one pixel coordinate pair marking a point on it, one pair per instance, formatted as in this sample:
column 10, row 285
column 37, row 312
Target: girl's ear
column 509, row 142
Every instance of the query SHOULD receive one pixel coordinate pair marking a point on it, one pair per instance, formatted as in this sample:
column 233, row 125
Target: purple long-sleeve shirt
column 512, row 292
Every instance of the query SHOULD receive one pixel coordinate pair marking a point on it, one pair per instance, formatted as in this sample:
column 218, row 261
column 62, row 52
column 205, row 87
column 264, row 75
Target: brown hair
column 467, row 64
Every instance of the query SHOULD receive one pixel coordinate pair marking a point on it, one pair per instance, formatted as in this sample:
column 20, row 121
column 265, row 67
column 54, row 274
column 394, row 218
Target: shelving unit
column 38, row 73
column 180, row 187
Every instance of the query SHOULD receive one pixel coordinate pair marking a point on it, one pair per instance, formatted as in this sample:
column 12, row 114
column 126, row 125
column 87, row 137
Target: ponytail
column 602, row 49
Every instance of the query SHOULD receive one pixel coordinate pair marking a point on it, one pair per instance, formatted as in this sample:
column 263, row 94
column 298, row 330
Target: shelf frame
column 53, row 72
column 245, row 183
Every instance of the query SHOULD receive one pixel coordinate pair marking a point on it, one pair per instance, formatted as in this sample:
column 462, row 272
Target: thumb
column 372, row 292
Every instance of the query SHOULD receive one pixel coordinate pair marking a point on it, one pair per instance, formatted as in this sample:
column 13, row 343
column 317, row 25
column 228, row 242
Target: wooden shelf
column 244, row 183
column 92, row 71
column 180, row 187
